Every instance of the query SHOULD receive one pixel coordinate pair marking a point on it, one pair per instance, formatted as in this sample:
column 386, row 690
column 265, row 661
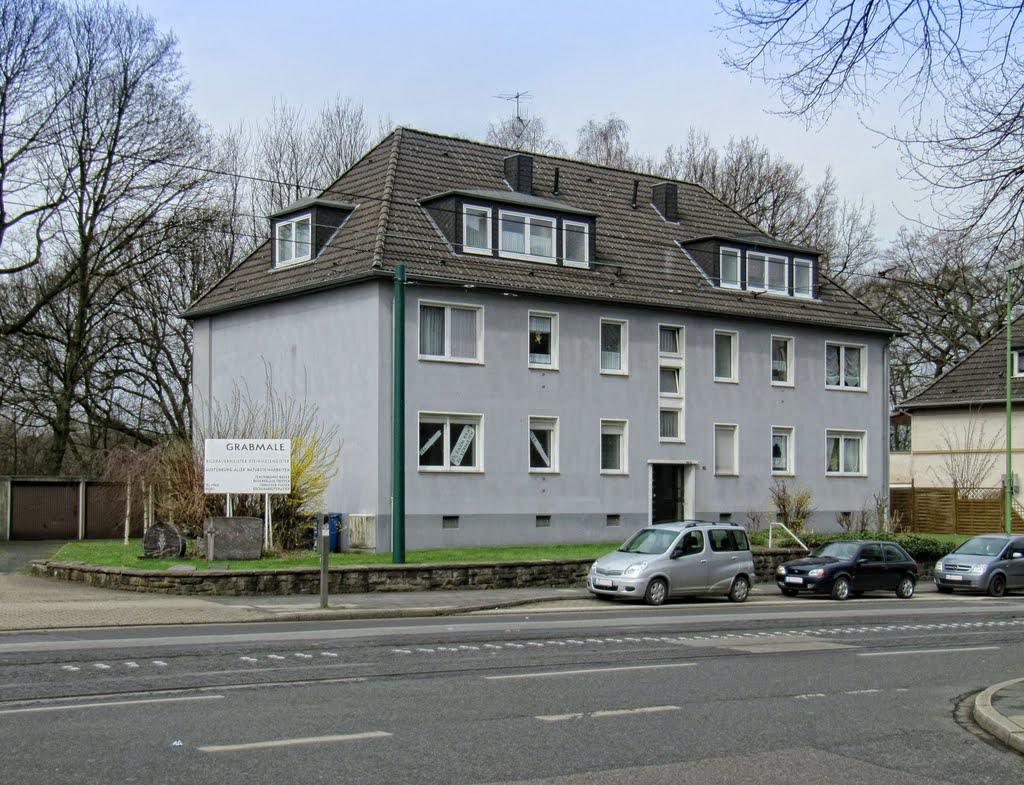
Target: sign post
column 325, row 535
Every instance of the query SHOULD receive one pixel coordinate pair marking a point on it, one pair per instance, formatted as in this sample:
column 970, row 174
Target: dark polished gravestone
column 235, row 537
column 163, row 540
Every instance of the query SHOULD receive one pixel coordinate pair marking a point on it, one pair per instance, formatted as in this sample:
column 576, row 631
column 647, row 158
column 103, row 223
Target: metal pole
column 1008, row 484
column 398, row 423
column 325, row 533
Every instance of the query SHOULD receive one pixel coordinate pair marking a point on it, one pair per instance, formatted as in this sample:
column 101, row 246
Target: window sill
column 525, row 257
column 427, row 358
column 845, row 474
column 291, row 263
column 614, row 373
column 726, row 381
column 609, row 473
column 538, row 367
column 674, row 440
column 783, row 384
column 478, row 251
column 442, row 470
column 837, row 388
column 727, row 474
column 783, row 474
column 572, row 263
column 544, row 471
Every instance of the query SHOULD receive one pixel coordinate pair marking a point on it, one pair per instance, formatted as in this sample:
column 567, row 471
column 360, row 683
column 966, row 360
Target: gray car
column 675, row 559
column 992, row 563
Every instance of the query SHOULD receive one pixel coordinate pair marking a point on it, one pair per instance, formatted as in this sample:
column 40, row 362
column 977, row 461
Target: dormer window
column 294, row 240
column 575, row 243
column 527, row 237
column 730, row 268
column 476, row 223
column 1018, row 363
column 803, row 270
column 777, row 268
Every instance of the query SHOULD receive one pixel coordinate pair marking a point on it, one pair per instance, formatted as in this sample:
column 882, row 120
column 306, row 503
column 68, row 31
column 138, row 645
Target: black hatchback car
column 846, row 568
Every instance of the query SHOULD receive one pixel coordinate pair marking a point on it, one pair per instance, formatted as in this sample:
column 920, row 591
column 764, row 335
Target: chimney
column 519, row 172
column 666, row 199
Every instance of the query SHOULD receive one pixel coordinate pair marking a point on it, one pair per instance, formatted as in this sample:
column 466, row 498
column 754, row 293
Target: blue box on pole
column 334, row 522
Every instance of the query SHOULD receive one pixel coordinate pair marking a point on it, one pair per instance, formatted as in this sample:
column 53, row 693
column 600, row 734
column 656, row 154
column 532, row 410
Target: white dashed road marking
column 586, row 671
column 260, row 745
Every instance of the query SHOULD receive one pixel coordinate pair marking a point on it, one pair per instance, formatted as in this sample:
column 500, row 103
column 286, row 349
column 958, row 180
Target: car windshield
column 649, row 541
column 980, row 546
column 836, row 550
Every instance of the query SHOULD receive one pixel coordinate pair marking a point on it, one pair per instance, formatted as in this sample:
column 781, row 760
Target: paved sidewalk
column 1000, row 711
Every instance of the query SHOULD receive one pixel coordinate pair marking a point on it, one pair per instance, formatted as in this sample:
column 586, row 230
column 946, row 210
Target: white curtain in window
column 832, row 454
column 851, row 454
column 431, row 331
column 802, row 277
column 542, row 238
column 464, row 332
column 513, row 235
column 669, row 382
column 725, row 450
column 730, row 268
column 303, row 246
column 780, row 360
column 668, row 340
column 852, row 367
column 669, row 424
column 832, row 365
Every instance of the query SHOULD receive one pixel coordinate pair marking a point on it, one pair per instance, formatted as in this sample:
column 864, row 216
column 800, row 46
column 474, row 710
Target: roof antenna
column 519, row 97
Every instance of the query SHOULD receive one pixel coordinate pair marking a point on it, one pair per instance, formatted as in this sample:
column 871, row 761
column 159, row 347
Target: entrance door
column 667, row 492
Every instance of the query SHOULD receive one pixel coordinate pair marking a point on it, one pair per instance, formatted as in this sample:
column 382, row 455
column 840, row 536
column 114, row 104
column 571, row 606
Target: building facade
column 587, row 349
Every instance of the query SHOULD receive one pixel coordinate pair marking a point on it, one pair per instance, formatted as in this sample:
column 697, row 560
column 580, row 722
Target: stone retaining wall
column 354, row 580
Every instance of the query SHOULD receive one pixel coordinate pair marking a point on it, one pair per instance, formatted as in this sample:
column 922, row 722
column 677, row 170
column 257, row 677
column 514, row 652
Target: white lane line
column 581, row 671
column 73, row 706
column 260, row 745
column 925, row 651
column 604, row 713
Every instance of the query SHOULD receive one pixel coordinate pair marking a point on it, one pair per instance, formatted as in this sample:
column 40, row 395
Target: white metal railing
column 771, row 528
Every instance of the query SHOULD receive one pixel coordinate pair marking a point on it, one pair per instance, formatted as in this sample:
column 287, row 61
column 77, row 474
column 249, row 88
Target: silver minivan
column 991, row 563
column 675, row 559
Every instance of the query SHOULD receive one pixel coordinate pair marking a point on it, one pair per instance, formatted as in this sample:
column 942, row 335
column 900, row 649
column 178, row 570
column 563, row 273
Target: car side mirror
column 1016, row 555
column 676, row 553
column 862, row 560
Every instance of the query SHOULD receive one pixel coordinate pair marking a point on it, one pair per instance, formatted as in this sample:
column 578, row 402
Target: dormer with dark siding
column 757, row 264
column 300, row 231
column 472, row 222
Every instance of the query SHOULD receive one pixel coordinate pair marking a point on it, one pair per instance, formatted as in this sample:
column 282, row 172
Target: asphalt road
column 701, row 692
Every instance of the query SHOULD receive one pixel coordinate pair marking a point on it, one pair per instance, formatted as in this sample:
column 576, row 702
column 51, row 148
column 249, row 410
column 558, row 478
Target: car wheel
column 997, row 586
column 657, row 592
column 790, row 592
column 943, row 589
column 905, row 588
column 841, row 588
column 740, row 589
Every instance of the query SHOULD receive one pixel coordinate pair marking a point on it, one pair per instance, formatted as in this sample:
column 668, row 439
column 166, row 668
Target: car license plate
column 794, row 579
column 954, row 577
column 603, row 583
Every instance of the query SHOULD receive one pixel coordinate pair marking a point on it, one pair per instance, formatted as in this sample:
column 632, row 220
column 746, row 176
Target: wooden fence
column 952, row 511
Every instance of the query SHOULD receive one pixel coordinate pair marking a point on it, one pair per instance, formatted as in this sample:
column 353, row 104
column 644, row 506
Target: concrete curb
column 994, row 721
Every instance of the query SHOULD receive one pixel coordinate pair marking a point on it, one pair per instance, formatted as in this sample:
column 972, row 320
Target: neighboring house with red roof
column 958, row 422
column 588, row 349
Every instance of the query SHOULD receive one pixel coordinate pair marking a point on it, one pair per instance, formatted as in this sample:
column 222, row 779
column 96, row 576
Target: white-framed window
column 613, row 446
column 844, row 452
column 782, row 450
column 729, row 268
column 1018, row 363
column 451, row 332
column 671, row 382
column 526, row 236
column 782, row 361
column 614, row 344
column 803, row 277
column 543, row 447
column 543, row 340
column 844, row 366
column 726, row 356
column 777, row 274
column 726, row 449
column 293, row 240
column 670, row 425
column 575, row 243
column 476, row 229
column 450, row 442
column 756, row 263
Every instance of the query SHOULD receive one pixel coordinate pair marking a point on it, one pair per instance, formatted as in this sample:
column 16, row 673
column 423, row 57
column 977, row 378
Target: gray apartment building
column 588, row 349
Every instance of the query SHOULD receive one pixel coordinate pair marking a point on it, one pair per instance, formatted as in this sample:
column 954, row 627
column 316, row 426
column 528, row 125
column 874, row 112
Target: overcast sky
column 438, row 66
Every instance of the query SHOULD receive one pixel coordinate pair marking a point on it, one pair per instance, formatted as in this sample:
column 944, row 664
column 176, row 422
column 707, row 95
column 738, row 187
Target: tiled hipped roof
column 638, row 255
column 979, row 378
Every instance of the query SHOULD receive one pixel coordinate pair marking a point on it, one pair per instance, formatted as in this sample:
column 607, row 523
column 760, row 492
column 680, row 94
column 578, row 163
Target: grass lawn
column 114, row 553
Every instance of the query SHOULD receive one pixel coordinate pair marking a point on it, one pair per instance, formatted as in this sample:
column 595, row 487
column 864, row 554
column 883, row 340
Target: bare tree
column 968, row 454
column 528, row 133
column 605, row 142
column 946, row 293
column 961, row 54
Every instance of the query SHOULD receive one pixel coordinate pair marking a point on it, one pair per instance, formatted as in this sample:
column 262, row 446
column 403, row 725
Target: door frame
column 689, row 487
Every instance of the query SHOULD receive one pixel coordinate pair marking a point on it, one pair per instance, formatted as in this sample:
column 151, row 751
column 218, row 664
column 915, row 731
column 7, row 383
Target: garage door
column 44, row 511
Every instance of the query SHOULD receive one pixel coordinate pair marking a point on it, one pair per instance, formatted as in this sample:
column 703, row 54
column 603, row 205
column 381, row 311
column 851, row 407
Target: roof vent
column 519, row 172
column 666, row 200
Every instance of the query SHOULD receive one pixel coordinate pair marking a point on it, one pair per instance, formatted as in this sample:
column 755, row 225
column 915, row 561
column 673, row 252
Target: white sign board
column 248, row 466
